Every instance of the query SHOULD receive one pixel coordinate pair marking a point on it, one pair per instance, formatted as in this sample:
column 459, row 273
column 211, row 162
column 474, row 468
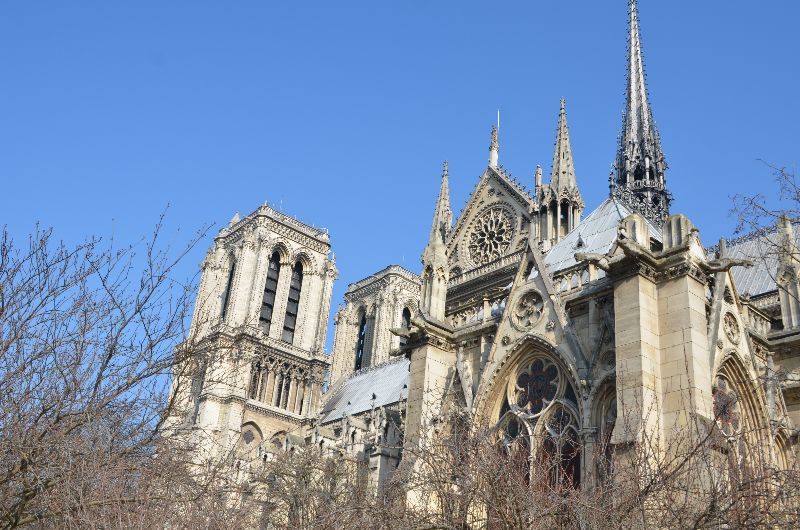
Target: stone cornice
column 314, row 238
column 391, row 270
column 256, row 339
column 269, row 410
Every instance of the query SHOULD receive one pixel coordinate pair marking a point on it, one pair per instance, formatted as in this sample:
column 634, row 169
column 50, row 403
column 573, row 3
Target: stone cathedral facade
column 527, row 312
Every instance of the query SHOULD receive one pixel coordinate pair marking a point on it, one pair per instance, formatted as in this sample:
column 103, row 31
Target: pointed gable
column 497, row 192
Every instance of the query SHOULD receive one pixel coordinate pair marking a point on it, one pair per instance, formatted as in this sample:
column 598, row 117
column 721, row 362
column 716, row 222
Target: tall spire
column 443, row 215
column 563, row 173
column 494, row 148
column 434, row 258
column 639, row 170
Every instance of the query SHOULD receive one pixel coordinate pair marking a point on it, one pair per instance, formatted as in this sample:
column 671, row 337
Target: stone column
column 291, row 394
column 265, row 374
column 246, row 268
column 306, row 397
column 548, row 228
column 259, row 281
column 278, row 383
column 558, row 220
column 270, row 386
column 329, row 275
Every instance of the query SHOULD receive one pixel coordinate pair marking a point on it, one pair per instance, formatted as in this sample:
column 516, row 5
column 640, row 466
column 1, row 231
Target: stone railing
column 508, row 259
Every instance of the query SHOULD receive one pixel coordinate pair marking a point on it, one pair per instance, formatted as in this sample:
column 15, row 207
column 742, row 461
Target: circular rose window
column 490, row 236
column 536, row 386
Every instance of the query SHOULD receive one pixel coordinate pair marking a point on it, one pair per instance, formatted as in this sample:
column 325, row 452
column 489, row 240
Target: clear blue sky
column 342, row 112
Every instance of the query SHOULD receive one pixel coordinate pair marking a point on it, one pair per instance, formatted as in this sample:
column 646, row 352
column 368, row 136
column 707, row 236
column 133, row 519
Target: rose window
column 537, row 386
column 726, row 408
column 490, row 237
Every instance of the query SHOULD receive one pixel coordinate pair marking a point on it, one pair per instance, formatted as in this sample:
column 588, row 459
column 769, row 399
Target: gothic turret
column 638, row 179
column 434, row 258
column 559, row 203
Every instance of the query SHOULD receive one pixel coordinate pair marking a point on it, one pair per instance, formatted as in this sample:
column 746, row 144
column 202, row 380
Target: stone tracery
column 490, row 237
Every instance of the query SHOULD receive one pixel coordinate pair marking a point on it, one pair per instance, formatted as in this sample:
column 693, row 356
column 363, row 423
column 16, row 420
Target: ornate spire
column 494, row 148
column 563, row 172
column 434, row 257
column 639, row 169
column 443, row 215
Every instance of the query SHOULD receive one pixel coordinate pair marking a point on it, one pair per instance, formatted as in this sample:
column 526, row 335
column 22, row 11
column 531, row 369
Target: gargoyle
column 598, row 260
column 725, row 264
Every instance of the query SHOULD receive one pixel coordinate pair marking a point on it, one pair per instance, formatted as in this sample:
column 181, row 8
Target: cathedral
column 529, row 313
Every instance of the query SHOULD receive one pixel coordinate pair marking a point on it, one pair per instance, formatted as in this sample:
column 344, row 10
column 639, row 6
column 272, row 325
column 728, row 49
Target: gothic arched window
column 270, row 288
column 540, row 418
column 226, row 297
column 561, row 448
column 293, row 303
column 606, row 419
column 726, row 408
column 362, row 333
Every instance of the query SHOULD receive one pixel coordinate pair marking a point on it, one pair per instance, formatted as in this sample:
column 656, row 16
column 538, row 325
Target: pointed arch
column 293, row 303
column 270, row 291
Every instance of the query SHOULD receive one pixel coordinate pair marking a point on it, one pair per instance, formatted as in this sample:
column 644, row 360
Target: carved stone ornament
column 490, row 236
column 505, row 341
column 731, row 328
column 528, row 310
column 728, row 296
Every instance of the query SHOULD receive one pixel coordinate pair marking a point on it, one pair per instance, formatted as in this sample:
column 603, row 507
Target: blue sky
column 341, row 113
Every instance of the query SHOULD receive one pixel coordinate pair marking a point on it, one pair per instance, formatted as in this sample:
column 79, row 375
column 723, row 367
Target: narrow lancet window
column 362, row 332
column 293, row 303
column 270, row 288
column 226, row 298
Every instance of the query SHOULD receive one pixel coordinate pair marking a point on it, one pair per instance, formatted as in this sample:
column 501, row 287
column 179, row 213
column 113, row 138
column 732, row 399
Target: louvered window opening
column 362, row 333
column 270, row 289
column 293, row 303
column 226, row 299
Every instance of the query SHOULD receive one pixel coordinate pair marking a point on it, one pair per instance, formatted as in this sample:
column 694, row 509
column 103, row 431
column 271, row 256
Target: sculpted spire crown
column 494, row 148
column 640, row 166
column 563, row 171
column 443, row 215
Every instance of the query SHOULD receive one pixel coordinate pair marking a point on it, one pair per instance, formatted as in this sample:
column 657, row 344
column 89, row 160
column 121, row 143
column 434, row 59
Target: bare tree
column 89, row 336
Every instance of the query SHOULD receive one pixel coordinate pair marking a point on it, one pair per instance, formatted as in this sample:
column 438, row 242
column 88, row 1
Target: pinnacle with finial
column 443, row 215
column 562, row 175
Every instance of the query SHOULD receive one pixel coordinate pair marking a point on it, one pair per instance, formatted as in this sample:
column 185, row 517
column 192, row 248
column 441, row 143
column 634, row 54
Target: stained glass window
column 537, row 386
column 726, row 408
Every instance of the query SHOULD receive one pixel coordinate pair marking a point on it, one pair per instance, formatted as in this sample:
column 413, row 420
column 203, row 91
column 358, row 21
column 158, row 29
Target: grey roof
column 761, row 247
column 597, row 232
column 388, row 382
